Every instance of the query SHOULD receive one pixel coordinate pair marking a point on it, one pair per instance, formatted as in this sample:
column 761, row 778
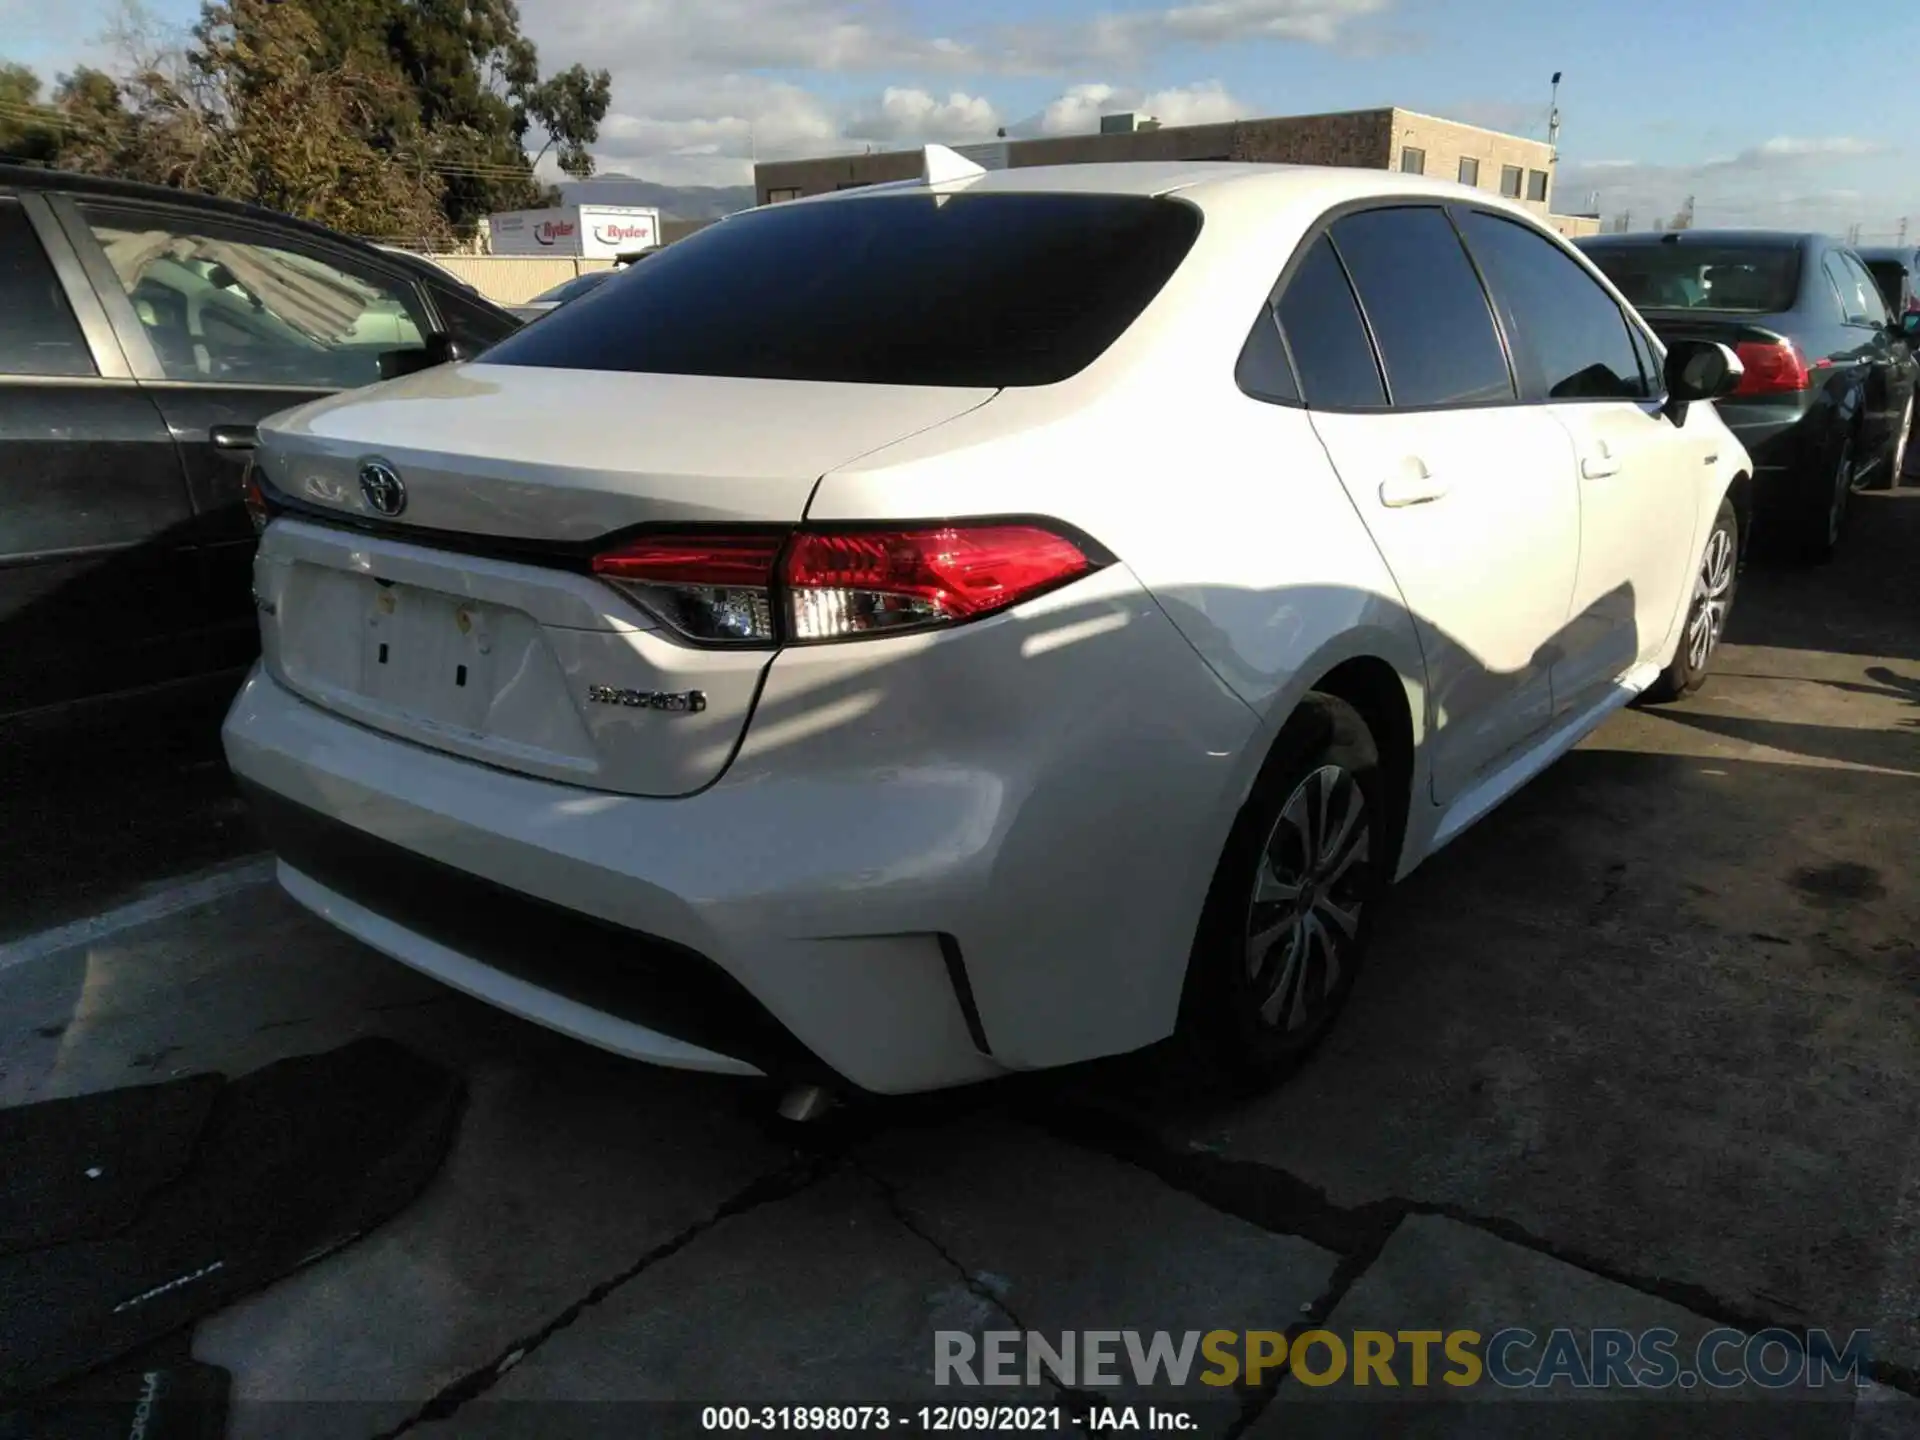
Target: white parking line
column 182, row 895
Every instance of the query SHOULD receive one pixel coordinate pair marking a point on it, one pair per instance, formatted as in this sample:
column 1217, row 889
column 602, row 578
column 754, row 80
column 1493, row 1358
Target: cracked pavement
column 1643, row 1048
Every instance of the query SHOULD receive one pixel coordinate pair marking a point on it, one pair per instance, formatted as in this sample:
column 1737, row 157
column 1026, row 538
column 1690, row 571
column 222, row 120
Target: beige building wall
column 515, row 279
column 1441, row 146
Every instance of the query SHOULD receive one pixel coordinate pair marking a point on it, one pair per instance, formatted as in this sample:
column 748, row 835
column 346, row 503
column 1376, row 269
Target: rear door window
column 884, row 289
column 38, row 333
column 225, row 304
column 1569, row 336
column 1328, row 338
column 1425, row 307
column 1864, row 291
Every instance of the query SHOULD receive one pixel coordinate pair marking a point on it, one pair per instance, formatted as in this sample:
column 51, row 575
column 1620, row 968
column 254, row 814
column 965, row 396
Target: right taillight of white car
column 735, row 588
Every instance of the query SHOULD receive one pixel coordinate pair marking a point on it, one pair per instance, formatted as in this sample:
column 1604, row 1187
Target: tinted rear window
column 1743, row 279
column 907, row 289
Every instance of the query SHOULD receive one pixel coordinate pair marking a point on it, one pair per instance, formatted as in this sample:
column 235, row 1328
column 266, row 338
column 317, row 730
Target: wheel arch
column 1378, row 692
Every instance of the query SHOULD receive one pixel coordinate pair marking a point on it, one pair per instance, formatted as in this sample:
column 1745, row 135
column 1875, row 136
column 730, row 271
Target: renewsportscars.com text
column 1513, row 1358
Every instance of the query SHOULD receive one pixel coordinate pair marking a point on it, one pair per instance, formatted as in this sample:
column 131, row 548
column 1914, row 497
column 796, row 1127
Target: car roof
column 28, row 177
column 1209, row 183
column 1720, row 239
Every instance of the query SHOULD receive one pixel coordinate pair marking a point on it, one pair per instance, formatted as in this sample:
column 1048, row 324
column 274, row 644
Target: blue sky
column 1739, row 104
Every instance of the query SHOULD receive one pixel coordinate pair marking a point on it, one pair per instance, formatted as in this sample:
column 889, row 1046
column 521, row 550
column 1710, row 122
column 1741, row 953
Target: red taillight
column 857, row 582
column 1773, row 368
column 716, row 586
column 832, row 584
column 259, row 512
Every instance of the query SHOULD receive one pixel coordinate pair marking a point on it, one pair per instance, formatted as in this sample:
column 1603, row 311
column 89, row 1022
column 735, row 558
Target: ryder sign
column 593, row 232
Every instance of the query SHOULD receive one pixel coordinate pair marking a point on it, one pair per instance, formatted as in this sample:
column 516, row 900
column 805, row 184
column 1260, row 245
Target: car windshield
column 902, row 289
column 1744, row 279
column 569, row 289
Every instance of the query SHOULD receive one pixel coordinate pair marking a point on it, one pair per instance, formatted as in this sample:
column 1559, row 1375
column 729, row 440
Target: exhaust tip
column 804, row 1103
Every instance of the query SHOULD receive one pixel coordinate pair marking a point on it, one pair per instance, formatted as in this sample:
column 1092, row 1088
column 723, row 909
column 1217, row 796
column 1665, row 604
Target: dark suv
column 143, row 334
column 1827, row 401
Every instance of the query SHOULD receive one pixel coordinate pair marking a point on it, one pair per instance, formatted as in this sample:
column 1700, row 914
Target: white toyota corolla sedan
column 976, row 624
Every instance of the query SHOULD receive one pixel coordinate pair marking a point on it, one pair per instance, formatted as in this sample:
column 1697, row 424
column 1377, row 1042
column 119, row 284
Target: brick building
column 1389, row 139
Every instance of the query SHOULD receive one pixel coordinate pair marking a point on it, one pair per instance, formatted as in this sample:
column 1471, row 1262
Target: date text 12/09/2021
column 945, row 1419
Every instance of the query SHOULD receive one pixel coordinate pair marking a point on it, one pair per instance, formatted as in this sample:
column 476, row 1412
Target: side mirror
column 1701, row 370
column 437, row 350
column 1910, row 324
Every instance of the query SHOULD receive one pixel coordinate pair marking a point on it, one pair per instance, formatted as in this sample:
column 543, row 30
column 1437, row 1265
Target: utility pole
column 1553, row 112
column 1903, row 231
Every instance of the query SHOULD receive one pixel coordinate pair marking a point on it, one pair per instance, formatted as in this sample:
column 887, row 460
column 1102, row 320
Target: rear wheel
column 1290, row 912
column 1889, row 477
column 1829, row 516
column 1714, row 585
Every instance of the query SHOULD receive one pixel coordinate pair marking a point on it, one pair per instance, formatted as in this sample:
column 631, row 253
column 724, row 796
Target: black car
column 1828, row 397
column 144, row 332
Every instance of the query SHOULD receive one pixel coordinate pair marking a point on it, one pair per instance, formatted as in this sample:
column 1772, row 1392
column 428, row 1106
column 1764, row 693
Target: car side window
column 38, row 334
column 1571, row 341
column 1328, row 339
column 474, row 325
column 1872, row 303
column 1853, row 304
column 1425, row 307
column 220, row 305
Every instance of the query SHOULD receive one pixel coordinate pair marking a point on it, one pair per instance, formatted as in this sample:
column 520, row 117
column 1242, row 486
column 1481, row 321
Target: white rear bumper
column 934, row 859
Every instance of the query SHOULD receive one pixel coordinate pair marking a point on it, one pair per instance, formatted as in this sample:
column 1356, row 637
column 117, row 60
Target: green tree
column 28, row 130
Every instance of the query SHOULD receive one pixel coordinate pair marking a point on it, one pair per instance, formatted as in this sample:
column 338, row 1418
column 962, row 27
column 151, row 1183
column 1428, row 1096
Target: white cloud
column 915, row 116
column 1078, row 110
column 1789, row 182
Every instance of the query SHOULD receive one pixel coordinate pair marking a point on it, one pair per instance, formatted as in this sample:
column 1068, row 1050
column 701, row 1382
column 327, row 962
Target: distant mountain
column 674, row 202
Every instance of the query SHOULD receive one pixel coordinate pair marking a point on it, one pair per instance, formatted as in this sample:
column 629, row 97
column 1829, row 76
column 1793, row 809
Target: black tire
column 1888, row 477
column 1719, row 570
column 1221, row 1022
column 1826, row 514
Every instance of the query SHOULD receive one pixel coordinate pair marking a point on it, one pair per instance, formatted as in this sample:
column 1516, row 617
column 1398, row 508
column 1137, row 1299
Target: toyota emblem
column 380, row 483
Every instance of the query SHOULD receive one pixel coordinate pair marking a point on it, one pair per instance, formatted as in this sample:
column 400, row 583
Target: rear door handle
column 1416, row 487
column 234, row 437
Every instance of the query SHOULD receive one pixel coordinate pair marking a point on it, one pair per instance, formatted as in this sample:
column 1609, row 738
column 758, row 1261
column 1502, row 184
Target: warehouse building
column 1389, row 139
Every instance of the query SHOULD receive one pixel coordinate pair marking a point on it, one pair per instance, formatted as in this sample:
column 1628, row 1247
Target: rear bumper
column 1790, row 451
column 934, row 860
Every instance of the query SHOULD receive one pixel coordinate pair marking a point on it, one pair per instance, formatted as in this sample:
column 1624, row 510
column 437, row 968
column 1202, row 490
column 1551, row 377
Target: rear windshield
column 903, row 289
column 1743, row 279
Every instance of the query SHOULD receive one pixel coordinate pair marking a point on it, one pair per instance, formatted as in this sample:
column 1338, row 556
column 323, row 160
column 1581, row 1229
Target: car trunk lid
column 466, row 619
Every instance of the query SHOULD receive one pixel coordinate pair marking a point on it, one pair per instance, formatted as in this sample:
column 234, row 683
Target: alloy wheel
column 1900, row 445
column 1712, row 599
column 1303, row 919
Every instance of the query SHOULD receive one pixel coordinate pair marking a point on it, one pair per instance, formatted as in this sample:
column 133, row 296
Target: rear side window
column 901, row 289
column 38, row 334
column 467, row 320
column 1569, row 337
column 1742, row 279
column 1866, row 291
column 1328, row 338
column 1428, row 313
column 1891, row 277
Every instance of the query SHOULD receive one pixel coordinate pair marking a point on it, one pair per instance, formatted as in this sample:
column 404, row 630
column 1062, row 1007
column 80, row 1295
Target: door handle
column 1415, row 487
column 1600, row 464
column 234, row 437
